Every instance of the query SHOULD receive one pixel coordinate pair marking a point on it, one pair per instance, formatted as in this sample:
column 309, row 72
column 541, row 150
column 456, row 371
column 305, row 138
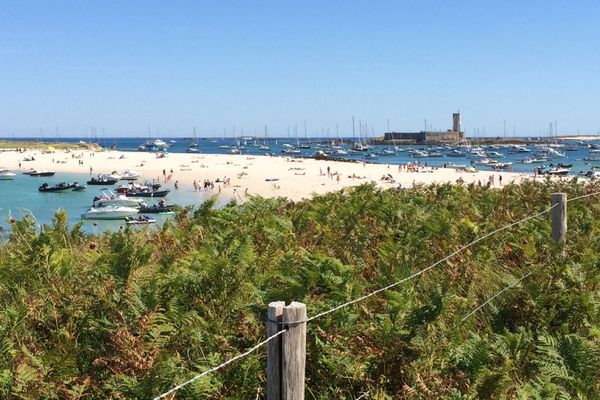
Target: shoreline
column 267, row 176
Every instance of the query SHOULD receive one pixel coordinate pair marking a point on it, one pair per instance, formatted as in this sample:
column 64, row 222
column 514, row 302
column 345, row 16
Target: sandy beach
column 267, row 176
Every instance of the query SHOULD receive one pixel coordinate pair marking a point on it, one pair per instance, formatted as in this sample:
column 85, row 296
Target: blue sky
column 124, row 66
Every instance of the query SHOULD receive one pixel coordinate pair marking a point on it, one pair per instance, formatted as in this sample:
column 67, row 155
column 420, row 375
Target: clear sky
column 124, row 66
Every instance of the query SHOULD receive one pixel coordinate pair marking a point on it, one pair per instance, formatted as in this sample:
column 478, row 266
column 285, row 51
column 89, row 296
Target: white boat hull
column 7, row 176
column 125, row 202
column 109, row 213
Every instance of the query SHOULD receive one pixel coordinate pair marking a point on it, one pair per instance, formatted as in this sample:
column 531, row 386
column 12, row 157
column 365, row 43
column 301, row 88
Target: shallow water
column 21, row 196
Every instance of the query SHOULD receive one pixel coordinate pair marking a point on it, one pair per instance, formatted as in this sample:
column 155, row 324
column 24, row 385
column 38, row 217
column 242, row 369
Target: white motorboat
column 117, row 200
column 154, row 145
column 39, row 172
column 456, row 153
column 113, row 175
column 130, row 175
column 475, row 153
column 419, row 154
column 109, row 212
column 339, row 152
column 6, row 175
column 483, row 161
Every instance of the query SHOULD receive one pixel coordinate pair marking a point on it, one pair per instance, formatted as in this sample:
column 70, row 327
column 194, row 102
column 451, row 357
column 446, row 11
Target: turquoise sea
column 21, row 196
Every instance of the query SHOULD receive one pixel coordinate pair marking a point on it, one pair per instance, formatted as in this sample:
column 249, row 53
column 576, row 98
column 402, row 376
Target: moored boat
column 102, row 180
column 59, row 187
column 6, row 175
column 130, row 175
column 140, row 220
column 117, row 200
column 147, row 192
column 158, row 209
column 41, row 172
column 109, row 212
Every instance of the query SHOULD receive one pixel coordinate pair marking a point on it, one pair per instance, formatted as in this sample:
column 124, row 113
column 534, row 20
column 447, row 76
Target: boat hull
column 109, row 214
column 118, row 202
column 102, row 182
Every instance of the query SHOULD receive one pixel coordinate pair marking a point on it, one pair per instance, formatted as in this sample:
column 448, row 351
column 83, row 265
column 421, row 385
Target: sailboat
column 193, row 147
column 265, row 146
column 306, row 144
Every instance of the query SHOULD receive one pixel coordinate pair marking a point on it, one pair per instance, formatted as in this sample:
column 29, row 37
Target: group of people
column 205, row 185
column 411, row 167
column 491, row 181
column 167, row 178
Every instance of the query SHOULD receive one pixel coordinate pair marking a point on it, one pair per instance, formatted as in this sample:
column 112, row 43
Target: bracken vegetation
column 128, row 315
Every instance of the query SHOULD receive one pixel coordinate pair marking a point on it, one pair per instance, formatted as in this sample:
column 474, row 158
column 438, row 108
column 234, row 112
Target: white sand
column 297, row 178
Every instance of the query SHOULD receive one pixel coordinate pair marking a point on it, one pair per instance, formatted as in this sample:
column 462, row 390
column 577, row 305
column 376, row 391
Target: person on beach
column 176, row 185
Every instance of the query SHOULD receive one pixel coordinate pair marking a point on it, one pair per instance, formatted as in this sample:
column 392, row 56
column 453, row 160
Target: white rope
column 524, row 276
column 416, row 274
column 242, row 355
column 497, row 294
column 583, row 197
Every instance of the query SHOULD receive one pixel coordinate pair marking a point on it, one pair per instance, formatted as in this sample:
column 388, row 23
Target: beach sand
column 266, row 176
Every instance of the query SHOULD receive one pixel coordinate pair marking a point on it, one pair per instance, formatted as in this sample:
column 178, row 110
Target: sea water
column 21, row 196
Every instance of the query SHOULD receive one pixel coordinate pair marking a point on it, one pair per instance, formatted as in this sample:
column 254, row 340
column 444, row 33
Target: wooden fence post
column 293, row 357
column 274, row 351
column 559, row 217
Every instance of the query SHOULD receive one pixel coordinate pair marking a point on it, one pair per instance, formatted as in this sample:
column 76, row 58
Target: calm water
column 21, row 195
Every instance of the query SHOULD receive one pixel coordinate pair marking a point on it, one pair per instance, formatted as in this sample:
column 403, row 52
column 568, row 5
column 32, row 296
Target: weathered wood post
column 274, row 350
column 293, row 357
column 559, row 218
column 286, row 354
